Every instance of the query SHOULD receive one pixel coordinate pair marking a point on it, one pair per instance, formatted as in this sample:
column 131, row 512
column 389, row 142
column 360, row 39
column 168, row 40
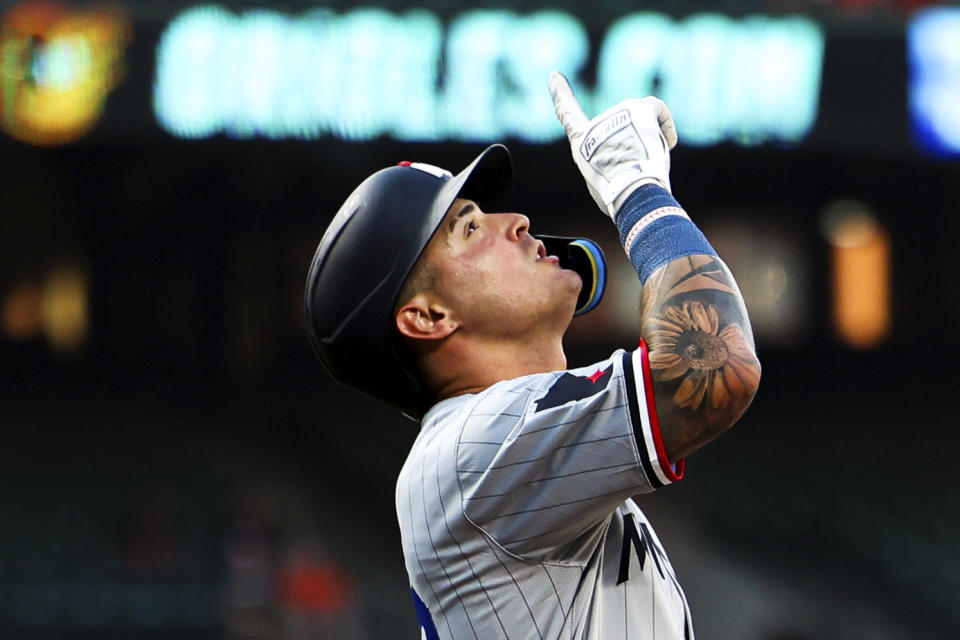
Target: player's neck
column 470, row 365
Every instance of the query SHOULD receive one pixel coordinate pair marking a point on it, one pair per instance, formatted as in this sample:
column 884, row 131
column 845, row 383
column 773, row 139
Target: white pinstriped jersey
column 516, row 515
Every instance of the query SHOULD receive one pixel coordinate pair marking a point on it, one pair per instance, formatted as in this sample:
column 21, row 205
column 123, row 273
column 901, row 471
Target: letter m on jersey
column 643, row 544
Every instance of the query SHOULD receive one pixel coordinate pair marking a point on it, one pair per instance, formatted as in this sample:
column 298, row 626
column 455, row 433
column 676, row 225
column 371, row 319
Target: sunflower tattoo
column 688, row 338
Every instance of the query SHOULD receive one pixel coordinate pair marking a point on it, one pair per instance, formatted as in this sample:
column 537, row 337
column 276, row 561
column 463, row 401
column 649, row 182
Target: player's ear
column 424, row 318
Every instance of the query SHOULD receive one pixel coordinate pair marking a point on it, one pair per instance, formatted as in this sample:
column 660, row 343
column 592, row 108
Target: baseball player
column 516, row 503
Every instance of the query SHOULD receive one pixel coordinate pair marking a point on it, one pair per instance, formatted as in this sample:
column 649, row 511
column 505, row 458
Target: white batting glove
column 623, row 148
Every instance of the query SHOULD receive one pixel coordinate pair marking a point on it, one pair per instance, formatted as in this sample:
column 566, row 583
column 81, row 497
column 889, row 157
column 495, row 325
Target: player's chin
column 568, row 291
column 573, row 279
column 557, row 284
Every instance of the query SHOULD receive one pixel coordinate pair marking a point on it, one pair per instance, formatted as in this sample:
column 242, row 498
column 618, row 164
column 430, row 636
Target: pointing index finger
column 667, row 126
column 568, row 108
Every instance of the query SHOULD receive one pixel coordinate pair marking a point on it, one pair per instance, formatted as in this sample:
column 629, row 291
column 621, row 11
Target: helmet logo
column 443, row 174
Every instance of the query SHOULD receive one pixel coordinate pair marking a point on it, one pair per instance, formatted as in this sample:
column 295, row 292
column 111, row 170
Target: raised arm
column 692, row 317
column 702, row 359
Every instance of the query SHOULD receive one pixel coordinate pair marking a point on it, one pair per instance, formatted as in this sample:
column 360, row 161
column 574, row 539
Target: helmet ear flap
column 586, row 258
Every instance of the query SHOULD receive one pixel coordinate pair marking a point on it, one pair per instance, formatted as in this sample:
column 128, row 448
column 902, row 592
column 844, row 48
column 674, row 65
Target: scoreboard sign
column 370, row 73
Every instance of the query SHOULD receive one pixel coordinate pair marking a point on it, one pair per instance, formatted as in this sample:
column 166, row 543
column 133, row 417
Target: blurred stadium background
column 176, row 465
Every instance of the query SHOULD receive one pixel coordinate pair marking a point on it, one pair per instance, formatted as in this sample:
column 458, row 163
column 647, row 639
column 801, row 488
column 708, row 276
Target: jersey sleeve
column 542, row 460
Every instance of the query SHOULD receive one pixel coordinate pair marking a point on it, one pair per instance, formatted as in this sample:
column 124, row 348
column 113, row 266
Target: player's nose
column 516, row 225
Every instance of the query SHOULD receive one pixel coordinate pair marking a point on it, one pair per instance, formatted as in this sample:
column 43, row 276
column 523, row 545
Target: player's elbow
column 748, row 377
column 741, row 384
column 717, row 401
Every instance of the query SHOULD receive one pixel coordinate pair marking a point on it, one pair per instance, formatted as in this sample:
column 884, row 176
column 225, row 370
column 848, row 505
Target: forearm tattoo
column 702, row 357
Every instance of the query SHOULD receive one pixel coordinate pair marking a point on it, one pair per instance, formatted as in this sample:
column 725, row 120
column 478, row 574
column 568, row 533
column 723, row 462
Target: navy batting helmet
column 372, row 245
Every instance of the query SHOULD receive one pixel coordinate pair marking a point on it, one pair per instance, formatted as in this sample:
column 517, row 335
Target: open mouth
column 543, row 256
